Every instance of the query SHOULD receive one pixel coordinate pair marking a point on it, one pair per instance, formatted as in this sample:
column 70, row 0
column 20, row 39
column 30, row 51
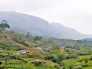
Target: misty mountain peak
column 37, row 26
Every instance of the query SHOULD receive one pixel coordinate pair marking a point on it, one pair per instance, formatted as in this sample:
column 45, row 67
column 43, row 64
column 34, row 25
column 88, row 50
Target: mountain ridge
column 37, row 26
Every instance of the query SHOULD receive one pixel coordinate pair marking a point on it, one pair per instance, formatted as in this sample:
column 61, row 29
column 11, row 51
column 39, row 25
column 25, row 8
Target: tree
column 37, row 38
column 4, row 25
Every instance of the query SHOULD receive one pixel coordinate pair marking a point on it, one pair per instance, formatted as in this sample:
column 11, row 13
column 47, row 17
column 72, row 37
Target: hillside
column 22, row 51
column 27, row 23
column 18, row 51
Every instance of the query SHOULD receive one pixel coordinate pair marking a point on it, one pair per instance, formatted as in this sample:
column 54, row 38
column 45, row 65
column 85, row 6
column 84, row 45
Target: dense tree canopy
column 4, row 25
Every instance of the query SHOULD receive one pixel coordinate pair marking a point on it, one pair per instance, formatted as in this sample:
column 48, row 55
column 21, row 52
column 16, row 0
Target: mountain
column 37, row 26
column 65, row 32
column 87, row 39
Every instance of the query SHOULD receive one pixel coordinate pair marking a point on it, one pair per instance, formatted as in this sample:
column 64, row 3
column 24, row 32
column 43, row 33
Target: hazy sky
column 73, row 13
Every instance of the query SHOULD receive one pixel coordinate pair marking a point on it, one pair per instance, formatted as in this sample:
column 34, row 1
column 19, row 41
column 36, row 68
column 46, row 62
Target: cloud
column 72, row 13
column 11, row 5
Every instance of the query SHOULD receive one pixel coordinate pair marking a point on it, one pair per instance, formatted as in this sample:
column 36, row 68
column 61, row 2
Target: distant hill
column 37, row 26
column 87, row 39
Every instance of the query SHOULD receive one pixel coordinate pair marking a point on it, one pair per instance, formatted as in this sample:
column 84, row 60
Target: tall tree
column 4, row 25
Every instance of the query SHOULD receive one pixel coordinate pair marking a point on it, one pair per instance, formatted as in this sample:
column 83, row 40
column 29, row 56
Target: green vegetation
column 4, row 25
column 23, row 51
